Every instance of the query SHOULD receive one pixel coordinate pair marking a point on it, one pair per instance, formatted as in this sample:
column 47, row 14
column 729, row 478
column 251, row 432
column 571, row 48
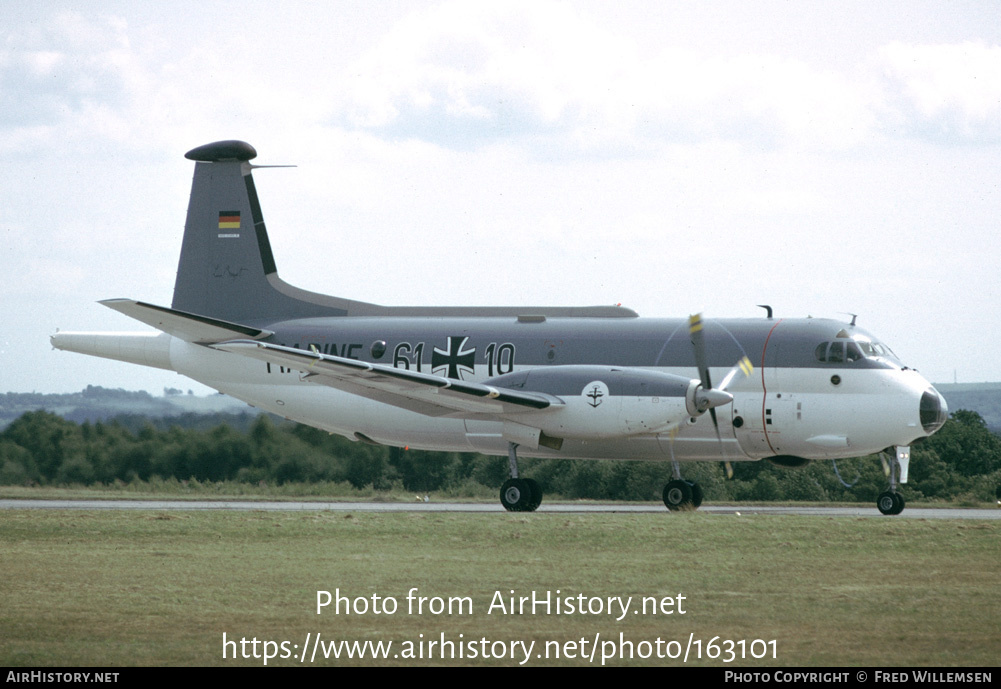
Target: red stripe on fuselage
column 764, row 388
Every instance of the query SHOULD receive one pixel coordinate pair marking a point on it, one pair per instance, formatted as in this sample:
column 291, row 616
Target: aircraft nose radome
column 933, row 410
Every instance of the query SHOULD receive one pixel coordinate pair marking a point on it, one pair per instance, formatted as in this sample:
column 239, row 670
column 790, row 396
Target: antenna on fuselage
column 768, row 309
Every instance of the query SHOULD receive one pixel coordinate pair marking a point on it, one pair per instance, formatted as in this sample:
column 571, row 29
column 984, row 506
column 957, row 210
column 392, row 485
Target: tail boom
column 145, row 349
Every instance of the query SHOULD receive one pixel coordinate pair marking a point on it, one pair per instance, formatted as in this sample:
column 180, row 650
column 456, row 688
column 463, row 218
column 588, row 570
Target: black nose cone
column 934, row 410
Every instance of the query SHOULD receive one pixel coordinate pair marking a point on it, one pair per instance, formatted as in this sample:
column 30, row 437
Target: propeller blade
column 743, row 366
column 719, row 437
column 698, row 339
column 708, row 397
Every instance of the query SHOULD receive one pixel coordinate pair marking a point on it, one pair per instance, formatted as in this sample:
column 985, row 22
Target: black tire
column 678, row 496
column 696, row 494
column 536, row 494
column 517, row 496
column 888, row 502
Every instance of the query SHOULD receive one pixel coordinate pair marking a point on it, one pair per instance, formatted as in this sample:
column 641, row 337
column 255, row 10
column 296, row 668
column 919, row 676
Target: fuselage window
column 854, row 353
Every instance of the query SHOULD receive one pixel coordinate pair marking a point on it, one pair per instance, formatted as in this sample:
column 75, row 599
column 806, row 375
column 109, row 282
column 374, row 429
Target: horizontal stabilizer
column 186, row 326
column 419, row 392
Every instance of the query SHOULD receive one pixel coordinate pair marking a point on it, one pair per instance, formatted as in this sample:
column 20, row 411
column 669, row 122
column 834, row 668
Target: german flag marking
column 229, row 220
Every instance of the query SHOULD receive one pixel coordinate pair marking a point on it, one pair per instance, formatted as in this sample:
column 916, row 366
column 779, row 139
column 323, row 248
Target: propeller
column 707, row 397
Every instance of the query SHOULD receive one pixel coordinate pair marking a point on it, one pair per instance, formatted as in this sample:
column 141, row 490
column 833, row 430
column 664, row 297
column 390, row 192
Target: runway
column 556, row 507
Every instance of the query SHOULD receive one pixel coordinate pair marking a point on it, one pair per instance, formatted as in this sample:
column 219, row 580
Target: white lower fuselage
column 776, row 411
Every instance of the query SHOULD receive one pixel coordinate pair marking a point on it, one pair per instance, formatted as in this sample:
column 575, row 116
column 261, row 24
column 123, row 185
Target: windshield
column 872, row 348
column 846, row 350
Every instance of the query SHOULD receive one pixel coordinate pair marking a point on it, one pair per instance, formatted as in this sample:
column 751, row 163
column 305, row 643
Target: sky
column 674, row 157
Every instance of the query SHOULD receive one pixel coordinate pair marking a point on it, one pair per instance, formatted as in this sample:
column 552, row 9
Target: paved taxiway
column 570, row 507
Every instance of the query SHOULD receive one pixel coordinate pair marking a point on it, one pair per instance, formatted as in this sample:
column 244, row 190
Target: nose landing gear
column 890, row 501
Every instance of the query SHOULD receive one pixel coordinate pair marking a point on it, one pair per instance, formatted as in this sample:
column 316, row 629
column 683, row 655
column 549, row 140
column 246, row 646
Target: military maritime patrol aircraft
column 595, row 382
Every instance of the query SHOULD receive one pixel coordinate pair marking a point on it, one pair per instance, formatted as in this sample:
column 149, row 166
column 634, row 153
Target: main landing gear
column 519, row 494
column 890, row 501
column 680, row 494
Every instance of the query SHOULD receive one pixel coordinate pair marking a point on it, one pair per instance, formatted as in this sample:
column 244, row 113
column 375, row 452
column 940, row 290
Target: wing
column 419, row 392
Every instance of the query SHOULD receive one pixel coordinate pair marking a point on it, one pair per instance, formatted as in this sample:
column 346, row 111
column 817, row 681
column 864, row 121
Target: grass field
column 161, row 588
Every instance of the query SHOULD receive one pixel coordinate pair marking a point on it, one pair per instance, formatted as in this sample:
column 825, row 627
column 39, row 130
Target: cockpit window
column 849, row 350
column 839, row 352
column 883, row 350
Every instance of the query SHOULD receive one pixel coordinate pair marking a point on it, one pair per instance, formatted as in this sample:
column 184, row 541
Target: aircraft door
column 759, row 409
column 748, row 426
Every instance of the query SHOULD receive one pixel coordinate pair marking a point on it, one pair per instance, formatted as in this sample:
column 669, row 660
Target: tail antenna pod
column 222, row 151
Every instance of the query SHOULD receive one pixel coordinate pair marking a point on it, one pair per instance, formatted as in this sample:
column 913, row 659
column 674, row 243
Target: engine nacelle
column 601, row 402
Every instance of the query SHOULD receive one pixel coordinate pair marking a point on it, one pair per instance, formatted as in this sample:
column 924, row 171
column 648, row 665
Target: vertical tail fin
column 226, row 269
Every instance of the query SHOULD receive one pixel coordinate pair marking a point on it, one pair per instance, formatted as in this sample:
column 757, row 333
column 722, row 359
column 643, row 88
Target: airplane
column 592, row 382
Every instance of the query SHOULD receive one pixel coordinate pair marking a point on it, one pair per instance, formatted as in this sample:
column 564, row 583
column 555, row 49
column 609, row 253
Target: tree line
column 962, row 462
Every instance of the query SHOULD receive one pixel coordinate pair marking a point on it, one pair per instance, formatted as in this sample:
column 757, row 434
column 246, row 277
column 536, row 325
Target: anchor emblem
column 594, row 392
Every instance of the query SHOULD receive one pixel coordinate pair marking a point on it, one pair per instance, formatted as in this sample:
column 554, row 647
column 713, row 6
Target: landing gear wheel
column 517, row 495
column 890, row 502
column 678, row 495
column 536, row 494
column 696, row 494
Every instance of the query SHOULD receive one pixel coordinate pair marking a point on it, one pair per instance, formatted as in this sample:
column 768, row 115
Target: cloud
column 543, row 76
column 467, row 74
column 99, row 85
column 944, row 92
column 510, row 70
column 69, row 70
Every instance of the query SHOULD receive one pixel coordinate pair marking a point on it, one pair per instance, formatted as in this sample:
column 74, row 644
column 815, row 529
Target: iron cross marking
column 455, row 358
